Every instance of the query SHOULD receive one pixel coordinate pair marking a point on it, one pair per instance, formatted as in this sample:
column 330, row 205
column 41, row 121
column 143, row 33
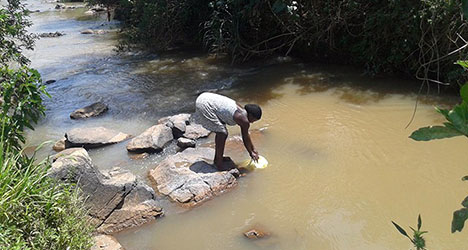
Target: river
column 341, row 164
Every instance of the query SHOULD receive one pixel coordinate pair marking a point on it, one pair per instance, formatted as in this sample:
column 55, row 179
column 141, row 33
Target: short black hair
column 254, row 110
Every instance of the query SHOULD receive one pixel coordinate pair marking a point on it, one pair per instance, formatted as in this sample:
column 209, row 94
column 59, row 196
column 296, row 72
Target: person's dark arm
column 247, row 141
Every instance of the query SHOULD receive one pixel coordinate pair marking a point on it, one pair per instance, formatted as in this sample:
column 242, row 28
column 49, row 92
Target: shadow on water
column 350, row 85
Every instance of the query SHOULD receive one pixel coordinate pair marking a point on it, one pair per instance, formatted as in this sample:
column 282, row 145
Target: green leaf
column 464, row 92
column 401, row 230
column 434, row 132
column 459, row 218
column 465, row 202
column 444, row 112
column 419, row 222
column 459, row 117
column 465, row 8
column 463, row 63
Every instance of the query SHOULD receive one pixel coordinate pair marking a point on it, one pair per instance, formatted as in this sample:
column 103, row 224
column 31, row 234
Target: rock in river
column 186, row 143
column 177, row 123
column 59, row 145
column 152, row 140
column 189, row 180
column 93, row 137
column 195, row 131
column 115, row 201
column 94, row 109
column 106, row 242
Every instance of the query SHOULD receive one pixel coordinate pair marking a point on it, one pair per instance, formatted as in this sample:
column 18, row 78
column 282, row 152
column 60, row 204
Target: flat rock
column 93, row 137
column 187, row 179
column 152, row 140
column 59, row 145
column 94, row 109
column 106, row 242
column 186, row 143
column 195, row 131
column 115, row 201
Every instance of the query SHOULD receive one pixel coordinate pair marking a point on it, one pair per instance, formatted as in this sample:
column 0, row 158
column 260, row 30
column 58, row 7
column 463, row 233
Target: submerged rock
column 138, row 156
column 93, row 137
column 94, row 109
column 51, row 34
column 152, row 140
column 189, row 180
column 256, row 234
column 106, row 242
column 115, row 201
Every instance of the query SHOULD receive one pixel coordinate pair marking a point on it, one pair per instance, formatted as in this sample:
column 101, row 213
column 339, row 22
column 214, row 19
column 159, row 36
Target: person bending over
column 214, row 111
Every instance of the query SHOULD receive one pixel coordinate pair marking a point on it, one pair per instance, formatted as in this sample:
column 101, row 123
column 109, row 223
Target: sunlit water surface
column 341, row 164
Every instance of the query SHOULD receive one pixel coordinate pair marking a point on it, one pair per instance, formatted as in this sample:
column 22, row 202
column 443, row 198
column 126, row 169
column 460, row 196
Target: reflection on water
column 341, row 165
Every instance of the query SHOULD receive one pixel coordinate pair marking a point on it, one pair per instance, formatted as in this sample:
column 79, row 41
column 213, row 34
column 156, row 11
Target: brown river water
column 341, row 163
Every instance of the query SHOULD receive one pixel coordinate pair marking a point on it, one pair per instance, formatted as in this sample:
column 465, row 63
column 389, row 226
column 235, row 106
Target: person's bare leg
column 220, row 140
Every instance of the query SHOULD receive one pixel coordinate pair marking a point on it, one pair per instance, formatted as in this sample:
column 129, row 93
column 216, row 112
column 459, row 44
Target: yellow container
column 251, row 164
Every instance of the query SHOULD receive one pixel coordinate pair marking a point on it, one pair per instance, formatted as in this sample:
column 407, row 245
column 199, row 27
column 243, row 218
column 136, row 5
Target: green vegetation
column 416, row 38
column 456, row 125
column 35, row 211
column 418, row 240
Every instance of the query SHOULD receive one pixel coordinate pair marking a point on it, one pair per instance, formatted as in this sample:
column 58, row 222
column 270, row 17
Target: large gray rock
column 94, row 109
column 177, row 123
column 152, row 140
column 93, row 137
column 106, row 242
column 189, row 180
column 115, row 201
column 195, row 131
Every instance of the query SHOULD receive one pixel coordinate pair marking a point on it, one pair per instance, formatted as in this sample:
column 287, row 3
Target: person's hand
column 254, row 155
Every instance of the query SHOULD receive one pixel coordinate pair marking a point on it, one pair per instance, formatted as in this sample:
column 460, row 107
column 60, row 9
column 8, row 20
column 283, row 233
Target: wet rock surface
column 115, row 201
column 93, row 137
column 187, row 179
column 59, row 145
column 106, row 242
column 153, row 140
column 255, row 233
column 186, row 143
column 94, row 109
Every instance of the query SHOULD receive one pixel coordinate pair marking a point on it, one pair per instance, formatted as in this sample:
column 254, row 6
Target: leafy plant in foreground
column 418, row 240
column 456, row 125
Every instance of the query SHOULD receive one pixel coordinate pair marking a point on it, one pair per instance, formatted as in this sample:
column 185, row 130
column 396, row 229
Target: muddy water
column 341, row 164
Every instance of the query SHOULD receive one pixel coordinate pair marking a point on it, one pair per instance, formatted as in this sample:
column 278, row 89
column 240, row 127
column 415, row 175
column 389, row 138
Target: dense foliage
column 35, row 211
column 419, row 38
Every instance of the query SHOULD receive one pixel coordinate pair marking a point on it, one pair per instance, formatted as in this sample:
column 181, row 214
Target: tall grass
column 36, row 212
